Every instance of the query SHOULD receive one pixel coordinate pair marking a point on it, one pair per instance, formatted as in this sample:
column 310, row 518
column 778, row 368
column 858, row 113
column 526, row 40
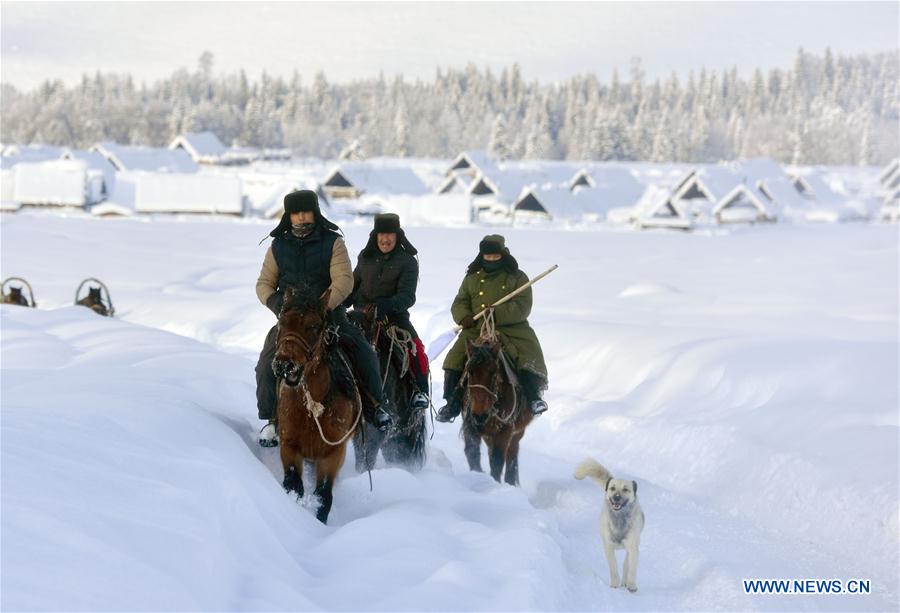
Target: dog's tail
column 591, row 468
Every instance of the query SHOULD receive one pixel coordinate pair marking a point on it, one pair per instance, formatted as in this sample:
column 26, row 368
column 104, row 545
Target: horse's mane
column 303, row 298
column 481, row 354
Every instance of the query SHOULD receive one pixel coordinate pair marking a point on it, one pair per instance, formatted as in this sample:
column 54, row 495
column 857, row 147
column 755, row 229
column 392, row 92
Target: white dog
column 621, row 521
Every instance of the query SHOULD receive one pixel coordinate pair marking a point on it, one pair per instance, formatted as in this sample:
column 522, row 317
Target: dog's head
column 620, row 493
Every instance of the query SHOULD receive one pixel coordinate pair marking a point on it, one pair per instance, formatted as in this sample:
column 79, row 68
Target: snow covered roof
column 780, row 192
column 17, row 154
column 454, row 209
column 755, row 169
column 813, row 185
column 201, row 146
column 559, row 202
column 892, row 180
column 188, row 193
column 581, row 178
column 127, row 157
column 892, row 168
column 453, row 184
column 473, row 162
column 57, row 183
column 711, row 182
column 656, row 209
column 741, row 196
column 96, row 161
column 483, row 186
column 376, row 178
column 615, row 186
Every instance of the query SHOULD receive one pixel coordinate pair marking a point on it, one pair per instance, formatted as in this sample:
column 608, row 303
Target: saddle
column 407, row 353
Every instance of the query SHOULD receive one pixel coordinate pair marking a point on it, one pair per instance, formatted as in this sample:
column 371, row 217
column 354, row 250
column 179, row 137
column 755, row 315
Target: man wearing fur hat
column 386, row 277
column 491, row 276
column 308, row 250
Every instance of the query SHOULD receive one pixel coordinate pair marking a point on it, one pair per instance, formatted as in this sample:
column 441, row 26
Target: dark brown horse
column 494, row 410
column 404, row 444
column 318, row 405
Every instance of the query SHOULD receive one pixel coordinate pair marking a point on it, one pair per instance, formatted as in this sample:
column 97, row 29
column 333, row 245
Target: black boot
column 532, row 386
column 453, row 396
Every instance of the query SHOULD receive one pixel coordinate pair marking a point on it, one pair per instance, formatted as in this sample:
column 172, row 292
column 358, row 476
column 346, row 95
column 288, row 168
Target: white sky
column 348, row 40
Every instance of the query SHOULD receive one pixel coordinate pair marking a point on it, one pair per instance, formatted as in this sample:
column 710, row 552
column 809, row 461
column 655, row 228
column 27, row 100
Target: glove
column 383, row 308
column 275, row 302
column 468, row 322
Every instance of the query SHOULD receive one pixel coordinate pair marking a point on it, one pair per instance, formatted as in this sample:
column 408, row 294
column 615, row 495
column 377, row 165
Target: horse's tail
column 591, row 468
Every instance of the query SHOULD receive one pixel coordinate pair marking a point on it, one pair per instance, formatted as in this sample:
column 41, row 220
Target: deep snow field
column 746, row 377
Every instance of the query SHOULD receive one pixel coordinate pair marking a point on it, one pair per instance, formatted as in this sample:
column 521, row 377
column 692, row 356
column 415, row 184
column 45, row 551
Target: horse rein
column 497, row 381
column 314, row 357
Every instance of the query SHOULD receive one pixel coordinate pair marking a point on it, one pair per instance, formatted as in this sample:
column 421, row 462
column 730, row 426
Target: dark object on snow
column 15, row 295
column 95, row 299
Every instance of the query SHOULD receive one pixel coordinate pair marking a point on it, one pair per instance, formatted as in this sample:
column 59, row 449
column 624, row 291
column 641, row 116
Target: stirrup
column 419, row 401
column 447, row 413
column 538, row 407
column 382, row 420
column 268, row 435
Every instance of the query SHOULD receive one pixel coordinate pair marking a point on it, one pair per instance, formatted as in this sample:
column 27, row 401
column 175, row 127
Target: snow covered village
column 533, row 335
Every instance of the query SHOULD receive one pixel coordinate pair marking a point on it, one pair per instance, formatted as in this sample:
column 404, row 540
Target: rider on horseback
column 385, row 278
column 307, row 250
column 491, row 276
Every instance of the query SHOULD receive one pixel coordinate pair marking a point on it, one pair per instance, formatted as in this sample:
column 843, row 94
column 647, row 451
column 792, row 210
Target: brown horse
column 318, row 405
column 405, row 443
column 494, row 410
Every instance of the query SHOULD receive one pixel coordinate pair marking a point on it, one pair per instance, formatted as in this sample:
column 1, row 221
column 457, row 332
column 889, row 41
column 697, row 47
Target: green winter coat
column 519, row 341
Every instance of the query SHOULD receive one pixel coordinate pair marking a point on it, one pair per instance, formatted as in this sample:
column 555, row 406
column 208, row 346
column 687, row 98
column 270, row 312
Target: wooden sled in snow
column 94, row 299
column 15, row 295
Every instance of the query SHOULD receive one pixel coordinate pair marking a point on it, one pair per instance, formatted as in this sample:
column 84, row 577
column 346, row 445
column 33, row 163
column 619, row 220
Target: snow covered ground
column 746, row 377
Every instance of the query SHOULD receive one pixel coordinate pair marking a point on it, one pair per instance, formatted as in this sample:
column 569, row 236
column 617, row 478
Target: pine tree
column 498, row 146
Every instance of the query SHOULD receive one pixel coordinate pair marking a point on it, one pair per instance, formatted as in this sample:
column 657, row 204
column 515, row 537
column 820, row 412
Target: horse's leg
column 497, row 450
column 292, row 463
column 512, row 458
column 326, row 472
column 472, row 447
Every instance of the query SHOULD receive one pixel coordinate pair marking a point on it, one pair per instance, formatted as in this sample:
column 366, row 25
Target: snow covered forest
column 835, row 110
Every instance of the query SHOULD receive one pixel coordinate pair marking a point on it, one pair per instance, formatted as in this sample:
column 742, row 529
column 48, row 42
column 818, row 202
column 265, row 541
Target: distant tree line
column 823, row 110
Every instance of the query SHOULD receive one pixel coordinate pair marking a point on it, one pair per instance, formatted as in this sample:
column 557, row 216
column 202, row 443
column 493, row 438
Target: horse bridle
column 309, row 349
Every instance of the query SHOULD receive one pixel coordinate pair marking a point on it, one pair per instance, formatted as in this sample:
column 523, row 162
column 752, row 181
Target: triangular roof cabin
column 581, row 179
column 203, row 147
column 471, row 163
column 742, row 203
column 453, row 184
column 655, row 209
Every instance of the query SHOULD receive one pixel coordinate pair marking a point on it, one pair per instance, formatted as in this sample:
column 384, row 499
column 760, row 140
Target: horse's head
column 94, row 296
column 365, row 319
column 301, row 325
column 482, row 377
